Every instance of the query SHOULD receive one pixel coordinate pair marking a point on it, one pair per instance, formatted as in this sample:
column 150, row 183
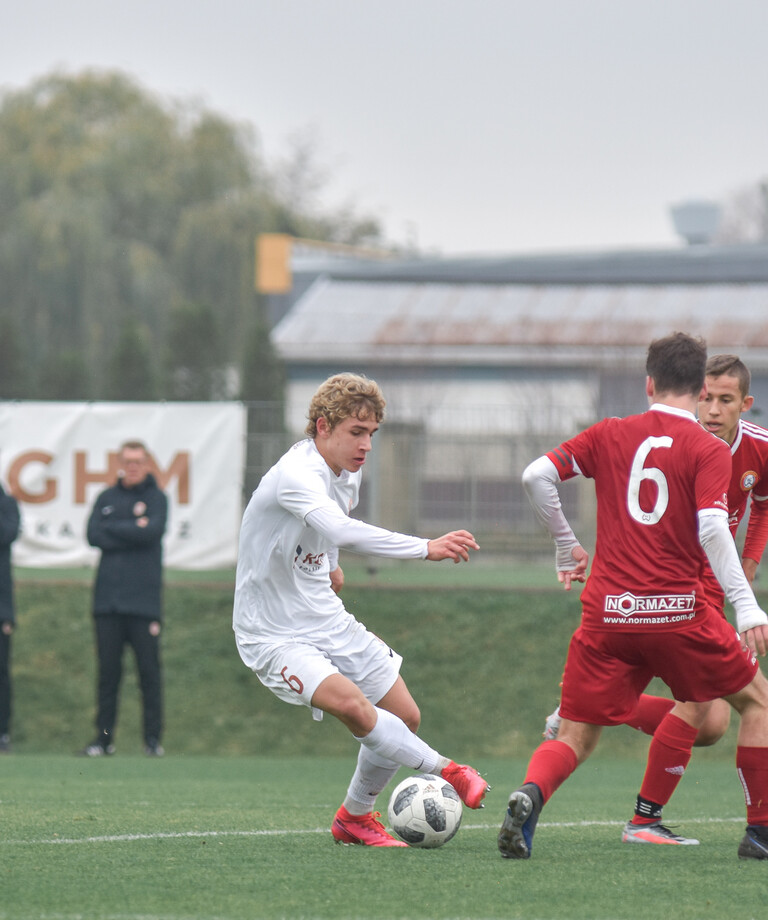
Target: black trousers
column 113, row 633
column 5, row 682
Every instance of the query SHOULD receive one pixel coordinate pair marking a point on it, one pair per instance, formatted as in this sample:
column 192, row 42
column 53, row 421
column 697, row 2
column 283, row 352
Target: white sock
column 371, row 776
column 391, row 739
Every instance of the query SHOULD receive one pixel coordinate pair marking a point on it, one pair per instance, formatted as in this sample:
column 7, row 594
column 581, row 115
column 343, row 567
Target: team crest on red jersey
column 748, row 481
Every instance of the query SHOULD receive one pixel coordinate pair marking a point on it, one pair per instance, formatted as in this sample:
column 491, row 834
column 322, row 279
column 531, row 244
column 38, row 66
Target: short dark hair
column 730, row 366
column 677, row 364
column 133, row 445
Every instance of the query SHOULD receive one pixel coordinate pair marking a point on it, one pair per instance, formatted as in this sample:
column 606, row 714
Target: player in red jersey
column 661, row 482
column 728, row 384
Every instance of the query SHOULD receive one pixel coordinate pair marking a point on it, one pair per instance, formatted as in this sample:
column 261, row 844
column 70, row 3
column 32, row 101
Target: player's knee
column 355, row 712
column 412, row 718
column 754, row 697
column 359, row 714
column 715, row 725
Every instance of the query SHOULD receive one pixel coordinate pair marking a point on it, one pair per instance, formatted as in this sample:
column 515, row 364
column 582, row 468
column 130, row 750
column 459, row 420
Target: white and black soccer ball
column 424, row 810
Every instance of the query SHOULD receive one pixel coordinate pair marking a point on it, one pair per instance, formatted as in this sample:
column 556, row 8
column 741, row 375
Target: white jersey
column 296, row 518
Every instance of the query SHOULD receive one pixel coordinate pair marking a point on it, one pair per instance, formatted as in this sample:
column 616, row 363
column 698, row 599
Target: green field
column 213, row 838
column 234, row 821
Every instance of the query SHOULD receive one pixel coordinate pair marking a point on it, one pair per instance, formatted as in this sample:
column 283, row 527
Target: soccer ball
column 424, row 810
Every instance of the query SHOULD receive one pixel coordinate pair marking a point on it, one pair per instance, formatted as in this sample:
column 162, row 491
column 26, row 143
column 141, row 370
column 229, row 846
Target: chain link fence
column 417, row 481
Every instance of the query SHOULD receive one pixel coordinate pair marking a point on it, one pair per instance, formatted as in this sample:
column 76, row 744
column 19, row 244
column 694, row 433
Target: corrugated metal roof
column 746, row 263
column 469, row 323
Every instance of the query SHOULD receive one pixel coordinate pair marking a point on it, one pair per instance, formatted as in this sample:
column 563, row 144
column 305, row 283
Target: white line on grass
column 180, row 835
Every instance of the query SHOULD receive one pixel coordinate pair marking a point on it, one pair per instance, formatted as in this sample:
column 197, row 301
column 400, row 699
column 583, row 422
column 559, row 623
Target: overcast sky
column 466, row 126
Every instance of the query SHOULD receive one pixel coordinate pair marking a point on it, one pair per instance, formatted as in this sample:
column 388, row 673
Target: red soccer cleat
column 365, row 830
column 467, row 782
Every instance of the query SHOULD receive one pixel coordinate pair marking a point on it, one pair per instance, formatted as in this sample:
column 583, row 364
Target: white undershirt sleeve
column 367, row 539
column 540, row 479
column 717, row 542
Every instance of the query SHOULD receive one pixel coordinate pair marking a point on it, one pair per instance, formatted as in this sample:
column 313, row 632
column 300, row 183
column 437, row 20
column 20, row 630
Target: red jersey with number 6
column 653, row 474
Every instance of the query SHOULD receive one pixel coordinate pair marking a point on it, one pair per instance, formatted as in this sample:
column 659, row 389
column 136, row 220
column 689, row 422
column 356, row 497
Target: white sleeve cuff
column 717, row 542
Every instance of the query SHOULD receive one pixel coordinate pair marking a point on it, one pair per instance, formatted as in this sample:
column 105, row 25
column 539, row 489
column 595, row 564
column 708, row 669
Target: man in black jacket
column 127, row 524
column 9, row 530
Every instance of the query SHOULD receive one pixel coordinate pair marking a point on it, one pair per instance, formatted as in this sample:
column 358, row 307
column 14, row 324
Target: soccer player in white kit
column 291, row 626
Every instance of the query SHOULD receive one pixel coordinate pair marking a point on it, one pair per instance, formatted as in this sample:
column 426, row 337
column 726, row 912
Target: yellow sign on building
column 273, row 263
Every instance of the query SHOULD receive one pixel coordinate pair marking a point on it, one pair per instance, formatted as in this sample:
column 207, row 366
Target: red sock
column 649, row 712
column 752, row 764
column 668, row 757
column 551, row 764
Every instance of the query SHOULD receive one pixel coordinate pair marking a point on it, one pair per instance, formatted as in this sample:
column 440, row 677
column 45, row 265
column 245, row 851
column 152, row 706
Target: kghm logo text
column 628, row 604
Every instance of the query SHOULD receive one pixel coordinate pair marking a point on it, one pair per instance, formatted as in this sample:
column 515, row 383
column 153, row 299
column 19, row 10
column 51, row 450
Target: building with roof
column 486, row 362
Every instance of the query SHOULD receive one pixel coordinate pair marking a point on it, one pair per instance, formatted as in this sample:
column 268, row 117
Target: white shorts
column 293, row 668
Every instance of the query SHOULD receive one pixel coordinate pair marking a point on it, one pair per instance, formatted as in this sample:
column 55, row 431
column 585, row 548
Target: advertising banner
column 56, row 458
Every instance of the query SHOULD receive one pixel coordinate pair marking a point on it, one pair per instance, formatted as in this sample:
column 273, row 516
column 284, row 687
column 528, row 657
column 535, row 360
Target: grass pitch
column 245, row 835
column 205, row 838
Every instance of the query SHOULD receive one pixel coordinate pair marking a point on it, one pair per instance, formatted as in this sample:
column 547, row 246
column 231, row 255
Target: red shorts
column 605, row 673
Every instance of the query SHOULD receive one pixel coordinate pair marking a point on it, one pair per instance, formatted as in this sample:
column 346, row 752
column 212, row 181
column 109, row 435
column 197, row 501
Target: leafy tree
column 66, row 377
column 116, row 205
column 13, row 366
column 262, row 376
column 194, row 360
column 131, row 374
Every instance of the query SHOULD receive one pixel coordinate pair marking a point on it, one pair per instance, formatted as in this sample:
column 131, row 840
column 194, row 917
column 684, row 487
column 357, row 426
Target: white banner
column 56, row 458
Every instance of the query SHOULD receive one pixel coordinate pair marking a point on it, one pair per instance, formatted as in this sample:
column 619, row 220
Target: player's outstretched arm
column 454, row 545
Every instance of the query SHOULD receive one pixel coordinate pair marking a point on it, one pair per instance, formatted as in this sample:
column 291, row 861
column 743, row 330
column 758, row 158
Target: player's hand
column 454, row 545
column 337, row 579
column 579, row 573
column 750, row 569
column 756, row 640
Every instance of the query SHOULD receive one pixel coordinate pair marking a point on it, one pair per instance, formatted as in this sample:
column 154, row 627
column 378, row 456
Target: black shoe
column 153, row 748
column 516, row 834
column 97, row 748
column 755, row 843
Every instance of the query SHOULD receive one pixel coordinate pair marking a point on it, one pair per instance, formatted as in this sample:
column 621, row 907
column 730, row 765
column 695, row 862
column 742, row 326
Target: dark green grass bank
column 484, row 665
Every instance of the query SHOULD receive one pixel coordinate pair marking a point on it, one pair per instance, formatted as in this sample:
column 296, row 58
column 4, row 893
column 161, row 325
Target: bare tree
column 745, row 215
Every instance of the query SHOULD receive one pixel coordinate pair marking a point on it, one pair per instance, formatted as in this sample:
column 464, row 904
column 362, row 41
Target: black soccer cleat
column 516, row 835
column 755, row 843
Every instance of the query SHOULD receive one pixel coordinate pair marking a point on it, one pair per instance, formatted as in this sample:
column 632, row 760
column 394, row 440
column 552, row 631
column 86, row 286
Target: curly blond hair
column 342, row 396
